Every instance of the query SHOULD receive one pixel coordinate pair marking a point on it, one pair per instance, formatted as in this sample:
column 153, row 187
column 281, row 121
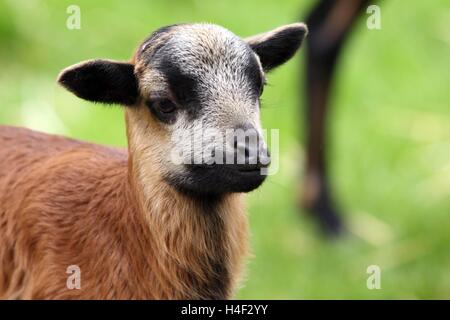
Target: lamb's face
column 202, row 84
column 196, row 92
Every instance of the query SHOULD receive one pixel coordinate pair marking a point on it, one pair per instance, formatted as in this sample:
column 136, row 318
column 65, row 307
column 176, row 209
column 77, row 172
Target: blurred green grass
column 390, row 150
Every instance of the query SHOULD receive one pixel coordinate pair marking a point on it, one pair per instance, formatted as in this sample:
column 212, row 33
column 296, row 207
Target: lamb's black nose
column 250, row 149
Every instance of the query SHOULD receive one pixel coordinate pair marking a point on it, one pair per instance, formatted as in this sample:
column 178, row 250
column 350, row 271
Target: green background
column 389, row 156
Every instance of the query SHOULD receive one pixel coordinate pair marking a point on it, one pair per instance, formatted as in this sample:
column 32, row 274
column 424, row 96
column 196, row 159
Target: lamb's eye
column 164, row 106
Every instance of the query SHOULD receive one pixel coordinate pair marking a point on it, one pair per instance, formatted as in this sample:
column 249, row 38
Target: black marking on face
column 187, row 87
column 191, row 77
column 183, row 86
column 254, row 75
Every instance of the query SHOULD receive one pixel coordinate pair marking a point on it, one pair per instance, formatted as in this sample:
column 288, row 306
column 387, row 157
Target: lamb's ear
column 101, row 81
column 279, row 45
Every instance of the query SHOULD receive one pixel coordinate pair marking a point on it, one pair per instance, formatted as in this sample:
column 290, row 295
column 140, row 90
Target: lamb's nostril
column 250, row 150
column 245, row 150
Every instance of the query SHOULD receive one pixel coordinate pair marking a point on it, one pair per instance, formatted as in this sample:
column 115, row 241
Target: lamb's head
column 192, row 94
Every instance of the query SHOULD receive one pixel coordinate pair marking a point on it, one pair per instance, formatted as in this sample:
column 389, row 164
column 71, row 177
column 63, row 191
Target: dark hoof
column 327, row 218
column 324, row 212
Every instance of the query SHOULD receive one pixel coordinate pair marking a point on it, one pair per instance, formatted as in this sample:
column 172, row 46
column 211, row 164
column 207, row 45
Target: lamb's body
column 65, row 202
column 136, row 223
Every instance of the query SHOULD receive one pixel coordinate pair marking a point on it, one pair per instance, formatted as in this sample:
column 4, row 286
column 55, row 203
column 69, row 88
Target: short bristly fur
column 138, row 226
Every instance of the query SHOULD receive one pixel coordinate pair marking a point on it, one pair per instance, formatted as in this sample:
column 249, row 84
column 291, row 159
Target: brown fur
column 65, row 202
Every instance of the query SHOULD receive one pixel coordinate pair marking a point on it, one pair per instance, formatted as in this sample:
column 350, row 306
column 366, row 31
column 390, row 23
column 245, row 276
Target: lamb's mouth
column 216, row 179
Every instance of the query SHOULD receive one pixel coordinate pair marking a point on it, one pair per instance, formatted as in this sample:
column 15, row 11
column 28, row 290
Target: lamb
column 138, row 225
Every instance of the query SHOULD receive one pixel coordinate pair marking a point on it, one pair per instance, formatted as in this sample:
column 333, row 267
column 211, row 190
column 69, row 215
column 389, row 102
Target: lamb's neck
column 198, row 245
